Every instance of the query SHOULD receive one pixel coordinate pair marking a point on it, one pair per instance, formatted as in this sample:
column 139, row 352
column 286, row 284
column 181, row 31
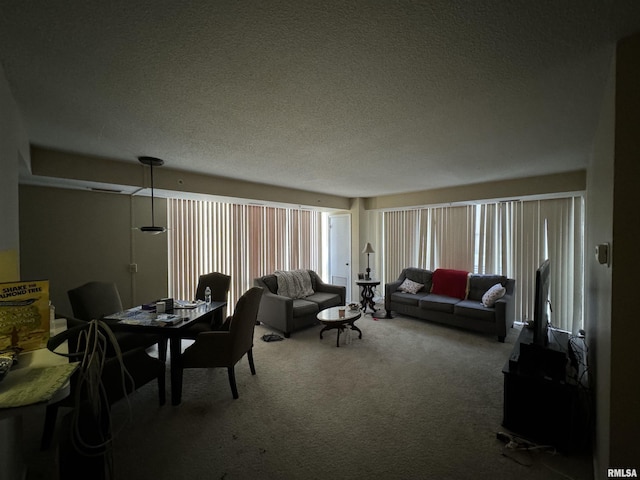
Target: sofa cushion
column 474, row 309
column 419, row 275
column 479, row 284
column 493, row 294
column 438, row 303
column 324, row 299
column 452, row 283
column 409, row 286
column 271, row 282
column 405, row 298
column 304, row 307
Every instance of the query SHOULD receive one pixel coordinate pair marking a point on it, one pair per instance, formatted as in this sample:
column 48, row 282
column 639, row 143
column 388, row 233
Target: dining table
column 170, row 325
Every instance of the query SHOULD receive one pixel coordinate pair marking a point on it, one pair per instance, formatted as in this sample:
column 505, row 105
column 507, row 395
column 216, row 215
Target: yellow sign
column 24, row 315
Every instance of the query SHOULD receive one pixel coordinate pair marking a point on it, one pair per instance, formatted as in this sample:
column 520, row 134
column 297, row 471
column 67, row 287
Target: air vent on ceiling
column 105, row 190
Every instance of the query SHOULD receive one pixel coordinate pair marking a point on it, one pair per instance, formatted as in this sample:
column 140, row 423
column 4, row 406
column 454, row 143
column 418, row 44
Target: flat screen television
column 541, row 306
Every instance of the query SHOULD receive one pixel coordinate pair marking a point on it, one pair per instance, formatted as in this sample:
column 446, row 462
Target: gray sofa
column 289, row 315
column 468, row 313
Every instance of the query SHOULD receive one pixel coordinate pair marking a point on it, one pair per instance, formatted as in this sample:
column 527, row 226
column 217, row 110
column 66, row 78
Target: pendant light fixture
column 152, row 162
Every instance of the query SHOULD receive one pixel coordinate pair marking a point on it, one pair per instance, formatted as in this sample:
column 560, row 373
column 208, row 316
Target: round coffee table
column 331, row 319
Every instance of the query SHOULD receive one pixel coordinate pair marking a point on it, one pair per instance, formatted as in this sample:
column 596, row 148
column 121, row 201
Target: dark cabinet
column 546, row 399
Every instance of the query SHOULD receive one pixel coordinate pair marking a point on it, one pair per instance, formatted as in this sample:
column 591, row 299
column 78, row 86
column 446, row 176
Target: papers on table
column 185, row 304
column 168, row 319
column 138, row 316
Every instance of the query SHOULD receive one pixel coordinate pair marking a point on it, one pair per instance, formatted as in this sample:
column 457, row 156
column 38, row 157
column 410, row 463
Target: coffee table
column 331, row 319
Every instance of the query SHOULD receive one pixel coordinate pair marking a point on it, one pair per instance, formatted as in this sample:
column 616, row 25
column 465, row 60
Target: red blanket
column 452, row 283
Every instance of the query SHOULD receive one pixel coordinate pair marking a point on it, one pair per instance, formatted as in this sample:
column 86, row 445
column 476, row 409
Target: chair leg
column 251, row 365
column 232, row 381
column 49, row 426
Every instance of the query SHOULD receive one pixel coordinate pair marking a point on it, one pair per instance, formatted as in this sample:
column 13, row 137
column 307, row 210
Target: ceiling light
column 152, row 162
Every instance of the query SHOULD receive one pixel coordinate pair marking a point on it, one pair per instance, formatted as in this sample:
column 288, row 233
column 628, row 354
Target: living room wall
column 598, row 277
column 625, row 329
column 14, row 149
column 611, row 307
column 72, row 236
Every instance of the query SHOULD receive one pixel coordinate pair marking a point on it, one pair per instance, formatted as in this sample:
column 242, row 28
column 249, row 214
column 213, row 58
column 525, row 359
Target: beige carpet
column 410, row 400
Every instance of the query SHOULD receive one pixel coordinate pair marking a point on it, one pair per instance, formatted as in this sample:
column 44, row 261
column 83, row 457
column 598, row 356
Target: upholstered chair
column 141, row 368
column 219, row 283
column 95, row 300
column 224, row 349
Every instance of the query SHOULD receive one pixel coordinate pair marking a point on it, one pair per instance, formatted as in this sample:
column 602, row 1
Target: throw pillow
column 493, row 294
column 409, row 286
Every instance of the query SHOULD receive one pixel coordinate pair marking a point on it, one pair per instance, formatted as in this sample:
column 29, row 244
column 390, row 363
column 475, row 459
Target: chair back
column 219, row 284
column 243, row 322
column 94, row 300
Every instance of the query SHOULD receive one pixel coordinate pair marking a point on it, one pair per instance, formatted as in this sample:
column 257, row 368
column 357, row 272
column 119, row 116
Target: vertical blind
column 507, row 238
column 243, row 241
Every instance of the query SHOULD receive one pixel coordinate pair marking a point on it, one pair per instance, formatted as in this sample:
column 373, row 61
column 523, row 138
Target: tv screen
column 541, row 306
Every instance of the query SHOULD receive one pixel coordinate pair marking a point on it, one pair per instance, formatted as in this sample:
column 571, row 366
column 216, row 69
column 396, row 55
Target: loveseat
column 288, row 314
column 454, row 298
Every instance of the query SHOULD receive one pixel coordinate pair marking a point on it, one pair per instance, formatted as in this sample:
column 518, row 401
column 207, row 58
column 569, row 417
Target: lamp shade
column 368, row 248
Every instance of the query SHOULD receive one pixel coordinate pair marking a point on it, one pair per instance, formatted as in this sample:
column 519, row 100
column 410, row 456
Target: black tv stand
column 545, row 395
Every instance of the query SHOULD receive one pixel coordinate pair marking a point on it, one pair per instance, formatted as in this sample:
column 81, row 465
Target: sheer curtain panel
column 508, row 238
column 243, row 241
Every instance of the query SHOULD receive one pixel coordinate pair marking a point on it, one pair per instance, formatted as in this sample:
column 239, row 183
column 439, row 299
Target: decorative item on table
column 368, row 249
column 161, row 307
column 354, row 306
column 168, row 304
column 24, row 315
column 341, row 313
column 8, row 358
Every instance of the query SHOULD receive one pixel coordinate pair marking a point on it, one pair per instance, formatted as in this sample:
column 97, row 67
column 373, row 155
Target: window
column 509, row 238
column 244, row 241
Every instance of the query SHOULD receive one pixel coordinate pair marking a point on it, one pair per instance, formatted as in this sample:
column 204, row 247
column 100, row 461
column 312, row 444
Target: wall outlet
column 133, row 268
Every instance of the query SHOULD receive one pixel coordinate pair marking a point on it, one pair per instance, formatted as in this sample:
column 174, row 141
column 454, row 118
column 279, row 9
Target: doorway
column 340, row 251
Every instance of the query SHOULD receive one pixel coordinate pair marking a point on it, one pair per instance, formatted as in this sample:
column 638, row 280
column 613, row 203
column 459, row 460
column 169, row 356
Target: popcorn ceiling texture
column 325, row 96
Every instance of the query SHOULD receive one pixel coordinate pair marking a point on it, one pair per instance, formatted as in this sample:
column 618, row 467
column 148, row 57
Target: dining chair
column 225, row 348
column 114, row 383
column 219, row 283
column 95, row 300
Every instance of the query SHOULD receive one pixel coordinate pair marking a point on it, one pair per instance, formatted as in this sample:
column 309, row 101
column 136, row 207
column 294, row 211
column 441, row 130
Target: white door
column 340, row 251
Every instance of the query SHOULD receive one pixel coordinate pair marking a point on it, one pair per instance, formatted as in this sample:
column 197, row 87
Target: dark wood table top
column 136, row 319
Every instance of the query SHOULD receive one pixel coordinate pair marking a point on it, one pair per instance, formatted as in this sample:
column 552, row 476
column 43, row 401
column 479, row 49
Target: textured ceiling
column 356, row 98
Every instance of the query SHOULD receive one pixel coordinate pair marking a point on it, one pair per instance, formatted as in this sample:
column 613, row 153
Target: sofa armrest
column 389, row 288
column 505, row 312
column 330, row 288
column 275, row 307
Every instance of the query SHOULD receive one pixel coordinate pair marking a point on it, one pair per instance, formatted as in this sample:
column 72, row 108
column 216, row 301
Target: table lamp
column 368, row 249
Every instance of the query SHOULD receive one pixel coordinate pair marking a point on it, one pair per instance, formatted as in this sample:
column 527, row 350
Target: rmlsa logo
column 622, row 473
